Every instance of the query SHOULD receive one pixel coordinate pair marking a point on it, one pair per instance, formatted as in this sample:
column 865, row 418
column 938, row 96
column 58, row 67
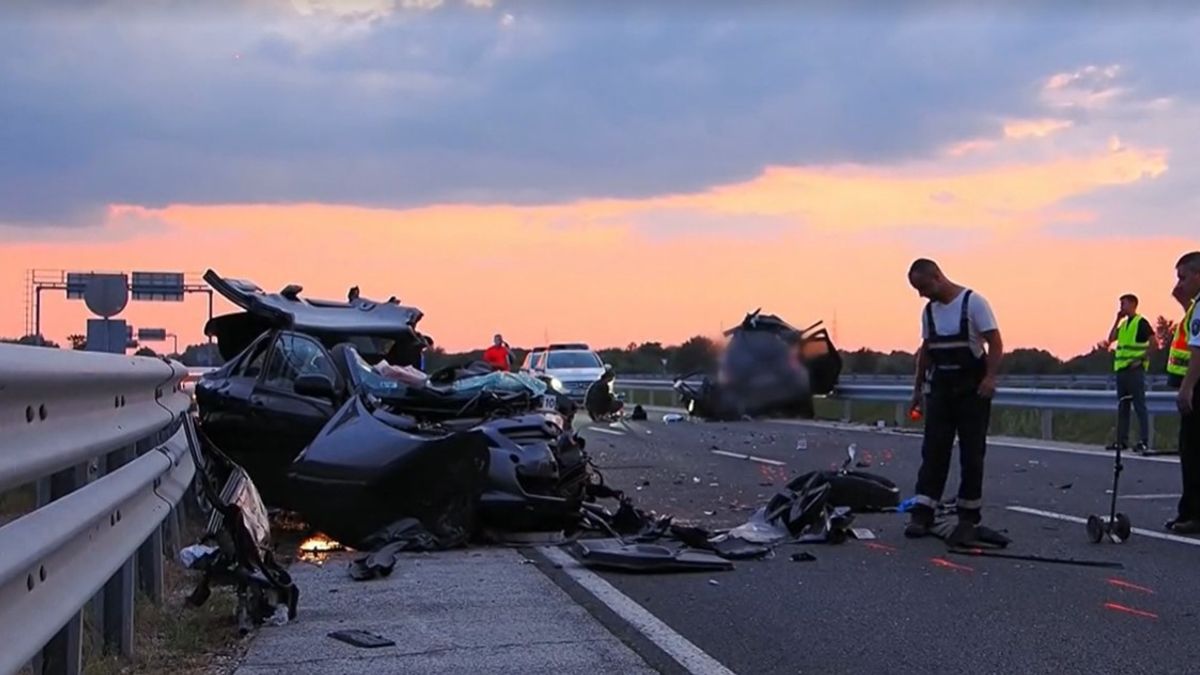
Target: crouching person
column 601, row 401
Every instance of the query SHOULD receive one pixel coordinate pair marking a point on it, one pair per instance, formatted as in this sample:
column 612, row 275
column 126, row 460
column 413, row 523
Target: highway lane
column 897, row 605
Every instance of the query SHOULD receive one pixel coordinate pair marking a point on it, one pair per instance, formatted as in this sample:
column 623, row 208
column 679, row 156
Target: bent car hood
column 289, row 310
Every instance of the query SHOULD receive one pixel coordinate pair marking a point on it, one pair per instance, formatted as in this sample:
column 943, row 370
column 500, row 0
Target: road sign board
column 158, row 286
column 106, row 294
column 151, row 334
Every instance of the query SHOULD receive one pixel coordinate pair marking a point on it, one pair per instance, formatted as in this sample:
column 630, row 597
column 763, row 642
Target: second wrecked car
column 321, row 404
column 768, row 367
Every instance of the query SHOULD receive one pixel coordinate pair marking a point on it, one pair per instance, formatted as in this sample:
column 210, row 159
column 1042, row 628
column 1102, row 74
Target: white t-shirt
column 1194, row 329
column 947, row 317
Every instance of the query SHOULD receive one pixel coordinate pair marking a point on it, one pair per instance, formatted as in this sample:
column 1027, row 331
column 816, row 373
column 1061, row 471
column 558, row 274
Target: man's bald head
column 926, row 277
column 924, row 266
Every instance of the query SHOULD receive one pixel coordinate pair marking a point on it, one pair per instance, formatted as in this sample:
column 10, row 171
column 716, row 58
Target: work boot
column 918, row 524
column 963, row 534
column 1141, row 448
column 1184, row 526
column 1117, row 446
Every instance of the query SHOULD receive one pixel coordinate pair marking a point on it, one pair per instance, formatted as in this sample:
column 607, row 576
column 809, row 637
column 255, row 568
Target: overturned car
column 768, row 368
column 320, row 402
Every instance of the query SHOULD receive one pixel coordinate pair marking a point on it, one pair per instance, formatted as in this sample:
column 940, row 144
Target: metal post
column 150, row 560
column 63, row 655
column 1047, row 424
column 1150, row 430
column 37, row 311
column 210, row 311
column 846, row 410
column 900, row 414
column 118, row 592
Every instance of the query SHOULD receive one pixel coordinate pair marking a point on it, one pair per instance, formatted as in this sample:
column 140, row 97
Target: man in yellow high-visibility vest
column 1135, row 338
column 1187, row 368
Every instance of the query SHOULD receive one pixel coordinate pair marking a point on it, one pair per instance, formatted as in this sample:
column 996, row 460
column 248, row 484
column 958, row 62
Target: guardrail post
column 63, row 655
column 118, row 592
column 1047, row 416
column 150, row 562
column 1150, row 430
column 846, row 410
column 900, row 414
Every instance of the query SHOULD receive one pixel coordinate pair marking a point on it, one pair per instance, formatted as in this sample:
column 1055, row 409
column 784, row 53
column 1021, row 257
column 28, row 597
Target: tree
column 698, row 354
column 1030, row 362
column 1164, row 331
column 31, row 341
column 205, row 355
column 78, row 342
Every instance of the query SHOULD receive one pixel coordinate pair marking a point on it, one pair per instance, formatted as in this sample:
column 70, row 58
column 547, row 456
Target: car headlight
column 557, row 385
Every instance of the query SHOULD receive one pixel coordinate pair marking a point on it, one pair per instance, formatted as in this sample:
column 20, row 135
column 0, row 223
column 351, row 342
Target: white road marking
column 752, row 458
column 1146, row 497
column 992, row 442
column 1083, row 521
column 688, row 655
column 610, row 432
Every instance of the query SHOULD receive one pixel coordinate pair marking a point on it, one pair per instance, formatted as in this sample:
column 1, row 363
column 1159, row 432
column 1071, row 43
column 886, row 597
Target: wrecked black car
column 321, row 404
column 768, row 367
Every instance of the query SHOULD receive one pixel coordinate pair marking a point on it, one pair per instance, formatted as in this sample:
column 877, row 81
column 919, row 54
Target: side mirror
column 315, row 386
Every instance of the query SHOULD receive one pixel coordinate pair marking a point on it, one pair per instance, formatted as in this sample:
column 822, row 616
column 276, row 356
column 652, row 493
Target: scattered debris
column 713, row 582
column 638, row 414
column 613, row 554
column 361, row 638
column 802, row 443
column 803, row 557
column 1066, row 486
column 980, row 553
column 672, row 418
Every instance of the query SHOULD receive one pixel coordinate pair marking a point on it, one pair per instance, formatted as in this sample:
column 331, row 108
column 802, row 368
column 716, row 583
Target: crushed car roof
column 288, row 309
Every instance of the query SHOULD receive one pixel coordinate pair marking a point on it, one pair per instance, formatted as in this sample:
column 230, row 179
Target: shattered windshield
column 573, row 360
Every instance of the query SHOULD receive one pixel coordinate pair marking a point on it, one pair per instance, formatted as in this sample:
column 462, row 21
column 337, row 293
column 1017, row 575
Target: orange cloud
column 596, row 270
column 1019, row 129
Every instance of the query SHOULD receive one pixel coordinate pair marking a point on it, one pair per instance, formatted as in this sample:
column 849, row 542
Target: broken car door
column 288, row 418
column 225, row 402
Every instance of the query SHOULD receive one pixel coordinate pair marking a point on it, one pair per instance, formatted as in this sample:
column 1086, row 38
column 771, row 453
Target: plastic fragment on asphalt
column 803, row 557
column 361, row 638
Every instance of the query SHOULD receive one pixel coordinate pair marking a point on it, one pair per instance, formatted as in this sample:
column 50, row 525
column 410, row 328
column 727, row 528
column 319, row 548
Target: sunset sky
column 612, row 172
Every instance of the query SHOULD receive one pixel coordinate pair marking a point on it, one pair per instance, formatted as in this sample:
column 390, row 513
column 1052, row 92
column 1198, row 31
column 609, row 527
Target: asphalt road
column 898, row 605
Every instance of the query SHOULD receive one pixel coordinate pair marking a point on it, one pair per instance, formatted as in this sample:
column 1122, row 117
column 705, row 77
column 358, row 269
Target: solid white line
column 1148, row 497
column 1083, row 521
column 992, row 442
column 752, row 458
column 688, row 655
column 610, row 432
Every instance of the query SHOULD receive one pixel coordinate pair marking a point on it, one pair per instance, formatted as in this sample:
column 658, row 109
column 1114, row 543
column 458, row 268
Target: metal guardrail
column 1045, row 400
column 1153, row 381
column 106, row 440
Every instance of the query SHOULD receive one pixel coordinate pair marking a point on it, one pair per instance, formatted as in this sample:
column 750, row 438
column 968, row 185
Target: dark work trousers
column 954, row 410
column 1189, row 463
column 1131, row 383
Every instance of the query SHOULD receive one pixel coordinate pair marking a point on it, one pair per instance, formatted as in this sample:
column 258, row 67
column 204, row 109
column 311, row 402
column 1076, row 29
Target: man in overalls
column 955, row 381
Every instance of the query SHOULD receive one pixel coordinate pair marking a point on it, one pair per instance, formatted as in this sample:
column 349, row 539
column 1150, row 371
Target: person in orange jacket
column 499, row 356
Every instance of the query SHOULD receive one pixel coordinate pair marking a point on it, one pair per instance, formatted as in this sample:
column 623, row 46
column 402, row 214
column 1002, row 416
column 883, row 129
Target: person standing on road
column 955, row 382
column 498, row 356
column 1135, row 339
column 1184, row 366
column 1178, row 354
